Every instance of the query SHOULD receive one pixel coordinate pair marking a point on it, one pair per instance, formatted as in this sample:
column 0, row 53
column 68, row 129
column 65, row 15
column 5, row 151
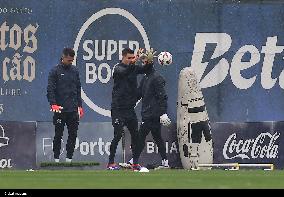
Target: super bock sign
column 99, row 53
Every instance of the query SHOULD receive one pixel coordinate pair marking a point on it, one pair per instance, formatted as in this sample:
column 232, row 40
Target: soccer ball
column 165, row 58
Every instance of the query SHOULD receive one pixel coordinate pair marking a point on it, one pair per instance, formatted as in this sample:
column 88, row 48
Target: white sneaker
column 56, row 160
column 68, row 160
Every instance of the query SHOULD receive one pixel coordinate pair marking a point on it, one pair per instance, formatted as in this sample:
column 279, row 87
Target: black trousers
column 154, row 126
column 71, row 119
column 121, row 118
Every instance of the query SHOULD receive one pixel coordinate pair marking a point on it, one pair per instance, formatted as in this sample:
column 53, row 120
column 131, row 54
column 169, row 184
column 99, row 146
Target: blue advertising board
column 236, row 49
column 17, row 145
column 93, row 145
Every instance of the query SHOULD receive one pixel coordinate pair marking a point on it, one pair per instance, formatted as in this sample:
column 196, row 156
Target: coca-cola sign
column 263, row 146
column 249, row 142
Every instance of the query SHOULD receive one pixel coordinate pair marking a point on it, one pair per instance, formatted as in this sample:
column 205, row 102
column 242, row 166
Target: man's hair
column 68, row 52
column 127, row 51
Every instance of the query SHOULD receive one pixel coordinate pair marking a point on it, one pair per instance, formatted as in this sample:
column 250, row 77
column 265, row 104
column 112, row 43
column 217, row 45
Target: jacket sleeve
column 160, row 94
column 139, row 89
column 51, row 87
column 120, row 71
column 79, row 89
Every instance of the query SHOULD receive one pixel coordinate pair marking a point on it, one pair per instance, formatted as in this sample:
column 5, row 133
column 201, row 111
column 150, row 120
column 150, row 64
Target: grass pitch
column 125, row 179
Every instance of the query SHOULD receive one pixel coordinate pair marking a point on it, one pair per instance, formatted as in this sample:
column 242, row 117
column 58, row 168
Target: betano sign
column 220, row 71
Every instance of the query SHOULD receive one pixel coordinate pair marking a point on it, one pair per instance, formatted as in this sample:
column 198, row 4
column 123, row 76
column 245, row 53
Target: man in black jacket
column 64, row 96
column 124, row 95
column 154, row 106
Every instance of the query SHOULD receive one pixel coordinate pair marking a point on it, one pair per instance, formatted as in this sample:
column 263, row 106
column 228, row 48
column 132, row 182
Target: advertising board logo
column 98, row 49
column 263, row 146
column 238, row 66
column 3, row 140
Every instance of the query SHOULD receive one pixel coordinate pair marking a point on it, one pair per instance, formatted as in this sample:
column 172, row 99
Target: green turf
column 168, row 179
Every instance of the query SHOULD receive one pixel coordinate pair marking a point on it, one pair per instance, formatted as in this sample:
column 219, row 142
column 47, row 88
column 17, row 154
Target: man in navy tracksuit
column 124, row 95
column 154, row 107
column 64, row 96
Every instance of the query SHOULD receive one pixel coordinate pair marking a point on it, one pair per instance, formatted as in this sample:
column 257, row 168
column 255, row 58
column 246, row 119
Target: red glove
column 81, row 112
column 56, row 108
